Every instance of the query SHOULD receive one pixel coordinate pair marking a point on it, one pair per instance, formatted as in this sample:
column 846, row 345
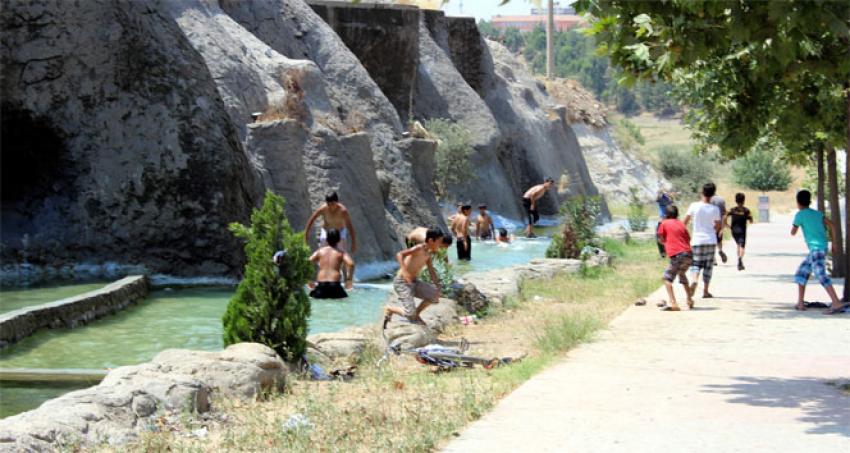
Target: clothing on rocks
column 675, row 237
column 464, row 248
column 704, row 216
column 814, row 231
column 679, row 265
column 407, row 292
column 328, row 290
column 815, row 263
column 703, row 260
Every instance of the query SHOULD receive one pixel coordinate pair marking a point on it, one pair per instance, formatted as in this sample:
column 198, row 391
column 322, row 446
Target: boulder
column 408, row 335
column 439, row 316
column 471, row 298
column 346, row 343
column 129, row 399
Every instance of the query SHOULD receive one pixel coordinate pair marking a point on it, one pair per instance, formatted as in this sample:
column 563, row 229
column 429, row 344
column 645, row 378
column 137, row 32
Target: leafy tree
column 762, row 170
column 453, row 152
column 270, row 305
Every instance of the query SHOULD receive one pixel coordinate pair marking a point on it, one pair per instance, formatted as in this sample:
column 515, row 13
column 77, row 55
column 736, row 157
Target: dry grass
column 292, row 106
column 404, row 406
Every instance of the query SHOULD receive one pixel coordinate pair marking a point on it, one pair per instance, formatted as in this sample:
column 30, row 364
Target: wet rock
column 121, row 406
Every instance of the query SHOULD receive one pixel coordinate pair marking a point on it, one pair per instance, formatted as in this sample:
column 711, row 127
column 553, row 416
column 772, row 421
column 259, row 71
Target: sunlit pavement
column 742, row 372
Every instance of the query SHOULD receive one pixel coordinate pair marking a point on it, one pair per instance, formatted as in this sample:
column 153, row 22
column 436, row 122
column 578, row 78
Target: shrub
column 762, row 170
column 579, row 231
column 687, row 170
column 270, row 305
column 637, row 216
column 443, row 268
column 453, row 152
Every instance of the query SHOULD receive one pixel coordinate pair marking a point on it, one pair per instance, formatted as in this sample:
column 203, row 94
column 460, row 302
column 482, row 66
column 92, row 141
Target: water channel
column 191, row 318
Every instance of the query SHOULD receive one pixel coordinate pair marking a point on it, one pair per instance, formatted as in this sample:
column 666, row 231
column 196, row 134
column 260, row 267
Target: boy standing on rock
column 330, row 261
column 529, row 203
column 674, row 235
column 706, row 217
column 334, row 215
column 460, row 228
column 817, row 230
column 407, row 284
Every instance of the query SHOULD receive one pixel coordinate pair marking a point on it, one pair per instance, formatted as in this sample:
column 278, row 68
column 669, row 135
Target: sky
column 484, row 9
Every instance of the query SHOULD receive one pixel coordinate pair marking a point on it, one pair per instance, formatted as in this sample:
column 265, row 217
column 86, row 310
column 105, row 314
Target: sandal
column 661, row 304
column 671, row 309
column 837, row 310
column 707, row 296
column 690, row 304
column 800, row 307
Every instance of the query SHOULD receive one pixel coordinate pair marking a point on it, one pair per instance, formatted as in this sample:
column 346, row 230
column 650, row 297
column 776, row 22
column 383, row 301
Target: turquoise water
column 191, row 319
column 13, row 299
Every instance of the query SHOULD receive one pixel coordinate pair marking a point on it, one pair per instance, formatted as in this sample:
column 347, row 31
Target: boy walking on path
column 739, row 216
column 674, row 235
column 706, row 217
column 330, row 261
column 407, row 284
column 460, row 228
column 529, row 203
column 817, row 230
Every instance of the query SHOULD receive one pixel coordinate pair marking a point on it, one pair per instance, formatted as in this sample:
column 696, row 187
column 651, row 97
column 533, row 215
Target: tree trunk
column 835, row 212
column 847, row 187
column 821, row 180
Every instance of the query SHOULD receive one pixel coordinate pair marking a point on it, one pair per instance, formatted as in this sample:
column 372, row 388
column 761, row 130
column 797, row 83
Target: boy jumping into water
column 817, row 230
column 706, row 218
column 407, row 284
column 334, row 215
column 330, row 261
column 460, row 228
column 529, row 203
column 739, row 216
column 674, row 235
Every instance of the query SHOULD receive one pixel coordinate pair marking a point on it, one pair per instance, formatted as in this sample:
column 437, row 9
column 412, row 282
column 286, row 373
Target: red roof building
column 528, row 23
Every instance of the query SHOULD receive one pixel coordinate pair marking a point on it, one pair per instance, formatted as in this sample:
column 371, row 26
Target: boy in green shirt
column 815, row 228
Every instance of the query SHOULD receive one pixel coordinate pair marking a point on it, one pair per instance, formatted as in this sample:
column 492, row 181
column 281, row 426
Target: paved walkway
column 742, row 372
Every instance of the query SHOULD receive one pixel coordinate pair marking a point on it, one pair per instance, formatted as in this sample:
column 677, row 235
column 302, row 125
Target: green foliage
column 270, row 306
column 453, row 153
column 443, row 268
column 637, row 216
column 761, row 169
column 687, row 170
column 810, row 180
column 579, row 214
column 628, row 134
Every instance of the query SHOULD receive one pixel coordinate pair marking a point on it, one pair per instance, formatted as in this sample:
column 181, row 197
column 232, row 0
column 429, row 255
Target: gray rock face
column 116, row 145
column 129, row 398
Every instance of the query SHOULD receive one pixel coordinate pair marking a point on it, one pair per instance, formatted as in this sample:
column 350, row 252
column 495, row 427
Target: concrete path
column 741, row 372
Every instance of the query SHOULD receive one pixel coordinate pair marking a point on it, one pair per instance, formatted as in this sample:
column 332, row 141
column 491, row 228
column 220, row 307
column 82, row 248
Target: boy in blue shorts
column 816, row 230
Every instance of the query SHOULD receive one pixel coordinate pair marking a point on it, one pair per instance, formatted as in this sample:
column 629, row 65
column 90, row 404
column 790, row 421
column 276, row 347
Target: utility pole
column 550, row 30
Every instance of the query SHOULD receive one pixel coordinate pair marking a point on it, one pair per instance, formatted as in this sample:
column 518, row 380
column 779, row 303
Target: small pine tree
column 270, row 306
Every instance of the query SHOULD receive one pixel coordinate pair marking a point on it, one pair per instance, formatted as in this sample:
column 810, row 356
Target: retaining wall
column 72, row 311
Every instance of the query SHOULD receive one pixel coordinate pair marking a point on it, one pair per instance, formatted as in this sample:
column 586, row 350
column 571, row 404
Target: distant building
column 565, row 19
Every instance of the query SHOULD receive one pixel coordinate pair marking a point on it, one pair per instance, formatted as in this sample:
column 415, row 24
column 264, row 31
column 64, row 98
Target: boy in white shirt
column 706, row 217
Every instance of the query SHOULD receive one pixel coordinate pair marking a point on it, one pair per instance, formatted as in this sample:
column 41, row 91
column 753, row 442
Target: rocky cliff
column 130, row 134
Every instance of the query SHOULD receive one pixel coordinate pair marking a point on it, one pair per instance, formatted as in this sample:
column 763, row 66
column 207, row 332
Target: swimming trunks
column 464, row 252
column 486, row 235
column 328, row 290
column 533, row 216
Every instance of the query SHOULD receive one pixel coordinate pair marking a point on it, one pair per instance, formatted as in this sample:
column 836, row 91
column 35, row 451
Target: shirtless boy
column 460, row 228
column 483, row 224
column 529, row 203
column 330, row 261
column 334, row 215
column 407, row 284
column 417, row 236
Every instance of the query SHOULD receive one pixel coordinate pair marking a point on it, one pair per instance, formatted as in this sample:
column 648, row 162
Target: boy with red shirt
column 677, row 242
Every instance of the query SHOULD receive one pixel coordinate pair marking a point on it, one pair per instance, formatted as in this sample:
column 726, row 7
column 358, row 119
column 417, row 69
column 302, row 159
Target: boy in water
column 334, row 215
column 417, row 236
column 330, row 261
column 407, row 284
column 503, row 237
column 706, row 218
column 817, row 230
column 674, row 235
column 460, row 228
column 483, row 224
column 529, row 203
column 739, row 216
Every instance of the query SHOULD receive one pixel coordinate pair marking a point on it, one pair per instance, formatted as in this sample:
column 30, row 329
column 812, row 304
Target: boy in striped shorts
column 706, row 217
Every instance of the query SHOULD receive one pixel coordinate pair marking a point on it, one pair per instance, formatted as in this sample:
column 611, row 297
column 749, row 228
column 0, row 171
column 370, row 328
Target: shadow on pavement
column 823, row 405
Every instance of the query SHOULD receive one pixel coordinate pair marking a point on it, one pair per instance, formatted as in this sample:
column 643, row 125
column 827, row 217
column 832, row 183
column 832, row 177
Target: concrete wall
column 73, row 311
column 385, row 38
